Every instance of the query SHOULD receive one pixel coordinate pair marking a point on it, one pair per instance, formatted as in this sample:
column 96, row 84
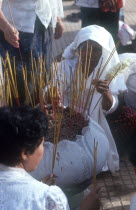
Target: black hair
column 21, row 129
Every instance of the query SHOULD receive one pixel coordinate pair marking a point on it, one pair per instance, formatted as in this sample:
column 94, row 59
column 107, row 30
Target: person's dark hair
column 21, row 129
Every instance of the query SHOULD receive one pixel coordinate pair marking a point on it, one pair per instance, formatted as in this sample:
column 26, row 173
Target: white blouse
column 18, row 190
column 23, row 13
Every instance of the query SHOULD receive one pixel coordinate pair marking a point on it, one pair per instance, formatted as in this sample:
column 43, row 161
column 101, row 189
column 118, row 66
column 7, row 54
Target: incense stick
column 95, row 164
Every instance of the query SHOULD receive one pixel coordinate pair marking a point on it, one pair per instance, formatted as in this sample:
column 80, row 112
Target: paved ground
column 116, row 190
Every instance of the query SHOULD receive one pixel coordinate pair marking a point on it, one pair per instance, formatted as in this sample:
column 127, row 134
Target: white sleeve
column 114, row 105
column 57, row 10
column 56, row 199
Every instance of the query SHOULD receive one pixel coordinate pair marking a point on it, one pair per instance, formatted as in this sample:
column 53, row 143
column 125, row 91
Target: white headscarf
column 95, row 33
column 103, row 38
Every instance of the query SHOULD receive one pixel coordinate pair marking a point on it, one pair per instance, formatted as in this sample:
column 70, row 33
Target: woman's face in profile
column 90, row 50
column 32, row 160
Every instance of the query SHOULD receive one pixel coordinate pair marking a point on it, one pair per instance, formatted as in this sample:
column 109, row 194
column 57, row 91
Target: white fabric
column 113, row 107
column 74, row 160
column 125, row 33
column 130, row 79
column 49, row 9
column 18, row 190
column 74, row 164
column 24, row 13
column 133, row 203
column 90, row 3
column 101, row 36
column 57, row 10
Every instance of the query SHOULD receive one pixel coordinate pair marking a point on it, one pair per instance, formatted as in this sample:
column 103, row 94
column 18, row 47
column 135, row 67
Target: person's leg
column 90, row 16
column 110, row 21
column 42, row 43
column 47, row 47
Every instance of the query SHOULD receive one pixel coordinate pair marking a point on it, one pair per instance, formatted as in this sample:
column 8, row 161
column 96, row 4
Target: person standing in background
column 27, row 26
column 104, row 13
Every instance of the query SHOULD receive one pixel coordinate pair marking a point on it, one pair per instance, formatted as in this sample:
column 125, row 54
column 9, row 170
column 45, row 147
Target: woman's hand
column 102, row 87
column 49, row 179
column 11, row 35
column 92, row 201
column 59, row 29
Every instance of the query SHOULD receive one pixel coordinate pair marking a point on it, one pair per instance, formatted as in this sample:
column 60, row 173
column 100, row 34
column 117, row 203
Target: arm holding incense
column 109, row 102
column 10, row 33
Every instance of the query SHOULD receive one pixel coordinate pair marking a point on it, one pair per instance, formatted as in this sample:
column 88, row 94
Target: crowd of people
column 26, row 181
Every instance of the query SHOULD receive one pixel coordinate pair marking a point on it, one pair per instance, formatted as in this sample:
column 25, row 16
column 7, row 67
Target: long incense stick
column 95, row 163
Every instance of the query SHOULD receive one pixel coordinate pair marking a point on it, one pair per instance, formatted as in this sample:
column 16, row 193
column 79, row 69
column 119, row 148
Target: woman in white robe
column 104, row 39
column 74, row 160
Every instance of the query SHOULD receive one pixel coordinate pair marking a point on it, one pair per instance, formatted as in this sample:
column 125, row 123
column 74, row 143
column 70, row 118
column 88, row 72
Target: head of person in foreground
column 22, row 132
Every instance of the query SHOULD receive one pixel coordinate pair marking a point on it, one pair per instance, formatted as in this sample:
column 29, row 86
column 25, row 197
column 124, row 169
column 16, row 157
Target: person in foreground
column 22, row 132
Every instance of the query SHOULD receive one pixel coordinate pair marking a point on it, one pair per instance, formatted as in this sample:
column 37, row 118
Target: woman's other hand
column 11, row 35
column 49, row 179
column 102, row 87
column 59, row 29
column 92, row 201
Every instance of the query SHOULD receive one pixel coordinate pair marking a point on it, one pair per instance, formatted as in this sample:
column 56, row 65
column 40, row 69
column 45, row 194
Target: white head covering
column 95, row 33
column 103, row 38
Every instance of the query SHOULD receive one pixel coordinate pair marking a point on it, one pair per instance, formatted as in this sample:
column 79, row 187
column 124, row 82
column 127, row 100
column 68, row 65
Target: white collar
column 11, row 173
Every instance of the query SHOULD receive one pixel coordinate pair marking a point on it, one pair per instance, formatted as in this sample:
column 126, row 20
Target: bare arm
column 59, row 29
column 10, row 33
column 103, row 88
column 107, row 101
